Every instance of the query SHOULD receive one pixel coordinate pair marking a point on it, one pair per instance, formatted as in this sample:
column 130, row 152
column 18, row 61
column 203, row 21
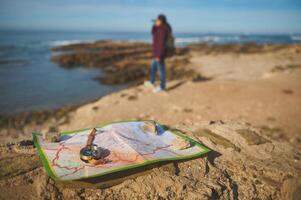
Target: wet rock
column 122, row 62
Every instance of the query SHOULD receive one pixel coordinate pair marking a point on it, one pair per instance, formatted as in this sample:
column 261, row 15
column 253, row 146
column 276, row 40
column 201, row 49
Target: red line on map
column 57, row 156
column 119, row 159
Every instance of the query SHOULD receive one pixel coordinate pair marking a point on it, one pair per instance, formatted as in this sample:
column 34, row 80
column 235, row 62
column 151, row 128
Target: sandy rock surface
column 244, row 164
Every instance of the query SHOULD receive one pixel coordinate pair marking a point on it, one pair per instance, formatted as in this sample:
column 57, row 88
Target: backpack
column 170, row 45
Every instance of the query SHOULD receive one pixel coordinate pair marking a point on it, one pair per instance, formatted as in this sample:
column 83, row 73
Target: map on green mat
column 129, row 144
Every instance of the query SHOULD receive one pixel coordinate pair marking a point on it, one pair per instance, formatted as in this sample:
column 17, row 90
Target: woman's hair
column 162, row 18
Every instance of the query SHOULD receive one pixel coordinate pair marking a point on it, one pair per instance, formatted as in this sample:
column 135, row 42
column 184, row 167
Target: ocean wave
column 187, row 40
column 207, row 39
column 215, row 39
column 195, row 39
column 68, row 42
column 296, row 38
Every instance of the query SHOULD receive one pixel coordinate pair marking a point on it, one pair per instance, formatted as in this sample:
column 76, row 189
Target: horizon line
column 144, row 32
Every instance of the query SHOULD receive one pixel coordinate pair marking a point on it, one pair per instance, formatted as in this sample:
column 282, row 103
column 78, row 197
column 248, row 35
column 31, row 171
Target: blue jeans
column 153, row 70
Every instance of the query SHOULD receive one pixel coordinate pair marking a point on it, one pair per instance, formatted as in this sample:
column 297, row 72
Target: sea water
column 30, row 81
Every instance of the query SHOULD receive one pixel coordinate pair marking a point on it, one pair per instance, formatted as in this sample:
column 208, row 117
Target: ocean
column 29, row 81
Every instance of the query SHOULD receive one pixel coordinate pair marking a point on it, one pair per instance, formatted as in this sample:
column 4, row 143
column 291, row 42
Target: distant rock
column 121, row 61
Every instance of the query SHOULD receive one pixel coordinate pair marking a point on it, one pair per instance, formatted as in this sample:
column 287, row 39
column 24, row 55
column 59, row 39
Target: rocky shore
column 121, row 61
column 247, row 111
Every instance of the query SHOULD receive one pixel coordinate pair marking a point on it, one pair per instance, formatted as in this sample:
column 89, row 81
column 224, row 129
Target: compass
column 91, row 152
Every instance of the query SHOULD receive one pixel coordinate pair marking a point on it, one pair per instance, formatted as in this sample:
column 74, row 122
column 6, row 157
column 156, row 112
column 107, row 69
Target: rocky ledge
column 121, row 61
column 244, row 164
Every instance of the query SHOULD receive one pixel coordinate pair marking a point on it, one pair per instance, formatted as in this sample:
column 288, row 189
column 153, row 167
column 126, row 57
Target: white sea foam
column 187, row 40
column 296, row 38
column 210, row 39
column 68, row 42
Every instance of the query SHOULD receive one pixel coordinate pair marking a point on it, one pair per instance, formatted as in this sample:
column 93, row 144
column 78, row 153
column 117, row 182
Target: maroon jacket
column 160, row 34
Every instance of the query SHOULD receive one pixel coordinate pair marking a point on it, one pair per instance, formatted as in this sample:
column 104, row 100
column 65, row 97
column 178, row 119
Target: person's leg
column 153, row 71
column 161, row 66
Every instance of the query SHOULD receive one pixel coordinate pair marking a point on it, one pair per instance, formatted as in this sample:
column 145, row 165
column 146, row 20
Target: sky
column 187, row 16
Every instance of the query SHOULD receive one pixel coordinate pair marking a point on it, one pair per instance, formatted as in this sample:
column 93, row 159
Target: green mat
column 130, row 146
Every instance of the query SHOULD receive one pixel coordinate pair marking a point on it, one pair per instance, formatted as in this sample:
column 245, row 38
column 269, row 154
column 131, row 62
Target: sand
column 249, row 113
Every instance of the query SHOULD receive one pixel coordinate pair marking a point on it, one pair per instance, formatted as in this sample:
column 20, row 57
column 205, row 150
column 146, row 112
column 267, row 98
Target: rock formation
column 243, row 164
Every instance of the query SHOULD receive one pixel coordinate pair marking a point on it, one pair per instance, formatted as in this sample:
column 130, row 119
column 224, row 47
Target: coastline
column 240, row 99
column 181, row 70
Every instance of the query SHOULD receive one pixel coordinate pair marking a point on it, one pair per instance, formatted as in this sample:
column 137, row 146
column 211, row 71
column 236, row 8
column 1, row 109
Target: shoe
column 158, row 89
column 148, row 84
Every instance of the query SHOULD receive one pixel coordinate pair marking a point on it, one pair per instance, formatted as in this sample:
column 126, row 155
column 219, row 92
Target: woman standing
column 160, row 32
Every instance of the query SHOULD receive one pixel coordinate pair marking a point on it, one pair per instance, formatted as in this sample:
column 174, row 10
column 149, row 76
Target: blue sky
column 243, row 16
